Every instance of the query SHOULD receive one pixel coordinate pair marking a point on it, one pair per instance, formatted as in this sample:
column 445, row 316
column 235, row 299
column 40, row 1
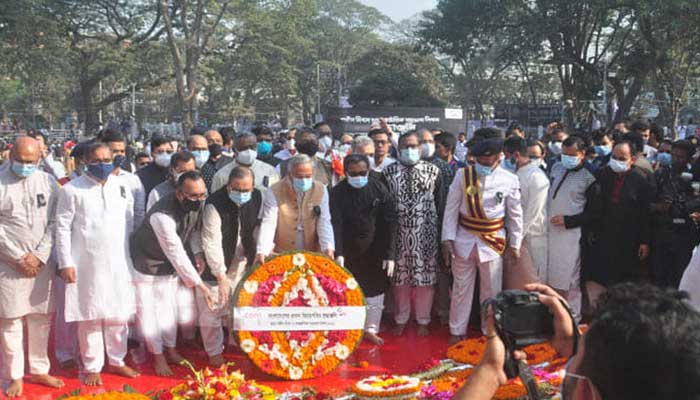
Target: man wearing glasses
column 382, row 146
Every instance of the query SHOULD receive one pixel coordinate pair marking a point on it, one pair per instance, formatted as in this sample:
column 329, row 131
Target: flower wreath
column 299, row 279
column 387, row 387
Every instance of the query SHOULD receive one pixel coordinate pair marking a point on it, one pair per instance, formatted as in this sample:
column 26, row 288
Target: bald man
column 27, row 201
column 199, row 147
column 217, row 159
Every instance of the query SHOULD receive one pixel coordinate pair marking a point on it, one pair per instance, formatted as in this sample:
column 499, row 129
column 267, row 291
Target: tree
column 188, row 39
column 391, row 75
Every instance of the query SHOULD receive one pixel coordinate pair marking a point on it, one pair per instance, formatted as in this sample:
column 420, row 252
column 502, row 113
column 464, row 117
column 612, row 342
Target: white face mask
column 163, row 159
column 291, row 144
column 326, row 142
column 555, row 148
column 427, row 150
column 618, row 166
column 246, row 157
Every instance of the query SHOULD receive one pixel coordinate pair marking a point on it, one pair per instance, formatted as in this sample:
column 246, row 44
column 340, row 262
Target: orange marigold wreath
column 299, row 279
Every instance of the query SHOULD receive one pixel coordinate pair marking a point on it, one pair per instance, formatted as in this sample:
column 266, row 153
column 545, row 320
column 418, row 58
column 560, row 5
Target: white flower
column 298, row 260
column 351, row 283
column 250, row 286
column 295, row 373
column 341, row 351
column 247, row 345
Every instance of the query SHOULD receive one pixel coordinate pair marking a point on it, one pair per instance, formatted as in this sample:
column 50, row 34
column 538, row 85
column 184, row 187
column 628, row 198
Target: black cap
column 684, row 145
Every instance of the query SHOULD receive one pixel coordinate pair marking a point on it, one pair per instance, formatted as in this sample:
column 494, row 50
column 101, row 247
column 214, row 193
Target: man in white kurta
column 94, row 218
column 117, row 144
column 246, row 155
column 464, row 247
column 27, row 207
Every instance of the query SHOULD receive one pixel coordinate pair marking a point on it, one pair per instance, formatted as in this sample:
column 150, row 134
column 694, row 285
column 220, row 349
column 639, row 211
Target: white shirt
column 461, row 152
column 54, row 167
column 385, row 163
column 534, row 189
column 157, row 194
column 650, row 152
column 284, row 154
column 93, row 224
column 138, row 192
column 165, row 228
column 211, row 243
column 265, row 175
column 268, row 226
column 500, row 184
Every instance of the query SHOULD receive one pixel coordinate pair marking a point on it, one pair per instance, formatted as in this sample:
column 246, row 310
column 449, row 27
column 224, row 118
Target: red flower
column 220, row 387
column 193, row 386
column 267, row 365
column 166, row 396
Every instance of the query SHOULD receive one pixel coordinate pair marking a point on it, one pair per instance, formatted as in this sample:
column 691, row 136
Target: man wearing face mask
column 416, row 189
column 28, row 201
column 295, row 214
column 623, row 230
column 263, row 134
column 165, row 249
column 571, row 205
column 199, row 147
column 674, row 234
column 325, row 134
column 246, row 145
column 157, row 171
column 554, row 149
column 664, row 157
column 179, row 164
column 94, row 217
column 603, row 144
column 290, row 149
column 364, row 226
column 117, row 144
column 228, row 237
column 307, row 144
column 534, row 186
column 483, row 224
column 217, row 160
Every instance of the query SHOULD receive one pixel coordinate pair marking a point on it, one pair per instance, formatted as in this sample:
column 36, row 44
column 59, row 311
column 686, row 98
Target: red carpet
column 404, row 354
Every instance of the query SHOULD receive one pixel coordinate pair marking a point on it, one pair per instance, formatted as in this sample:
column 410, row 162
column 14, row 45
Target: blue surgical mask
column 510, row 165
column 302, row 185
column 264, row 148
column 483, row 170
column 23, row 170
column 100, row 171
column 569, row 162
column 602, row 150
column 409, row 156
column 664, row 159
column 358, row 182
column 240, row 198
column 200, row 157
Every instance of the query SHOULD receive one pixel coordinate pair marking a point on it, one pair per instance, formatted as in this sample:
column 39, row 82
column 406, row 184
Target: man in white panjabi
column 27, row 207
column 94, row 217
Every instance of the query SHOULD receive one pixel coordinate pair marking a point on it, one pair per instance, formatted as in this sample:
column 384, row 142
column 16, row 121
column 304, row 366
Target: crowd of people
column 146, row 242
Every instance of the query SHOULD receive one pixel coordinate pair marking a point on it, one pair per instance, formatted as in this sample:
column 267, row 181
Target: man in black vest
column 165, row 248
column 228, row 225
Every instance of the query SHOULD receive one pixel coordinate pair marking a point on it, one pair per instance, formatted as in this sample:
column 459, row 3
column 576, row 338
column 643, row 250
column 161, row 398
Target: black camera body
column 521, row 320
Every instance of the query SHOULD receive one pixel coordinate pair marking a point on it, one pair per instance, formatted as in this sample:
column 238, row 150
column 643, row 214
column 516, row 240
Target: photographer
column 643, row 343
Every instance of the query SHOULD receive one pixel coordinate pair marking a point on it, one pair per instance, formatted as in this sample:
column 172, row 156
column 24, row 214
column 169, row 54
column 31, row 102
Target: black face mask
column 308, row 148
column 215, row 149
column 191, row 205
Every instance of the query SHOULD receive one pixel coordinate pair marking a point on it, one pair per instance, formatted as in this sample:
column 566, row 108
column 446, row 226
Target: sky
column 400, row 9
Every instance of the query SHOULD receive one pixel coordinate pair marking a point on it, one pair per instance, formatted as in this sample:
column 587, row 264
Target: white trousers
column 375, row 306
column 99, row 336
column 186, row 310
column 464, row 279
column 156, row 312
column 211, row 322
column 65, row 334
column 423, row 303
column 537, row 247
column 12, row 345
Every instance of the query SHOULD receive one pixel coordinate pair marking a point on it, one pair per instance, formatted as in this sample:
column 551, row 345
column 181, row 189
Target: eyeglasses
column 577, row 387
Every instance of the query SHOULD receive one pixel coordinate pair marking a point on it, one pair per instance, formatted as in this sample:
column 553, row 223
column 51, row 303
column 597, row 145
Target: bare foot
column 160, row 364
column 46, row 380
column 93, row 379
column 374, row 338
column 454, row 339
column 15, row 389
column 216, row 361
column 423, row 331
column 68, row 364
column 398, row 329
column 173, row 356
column 125, row 371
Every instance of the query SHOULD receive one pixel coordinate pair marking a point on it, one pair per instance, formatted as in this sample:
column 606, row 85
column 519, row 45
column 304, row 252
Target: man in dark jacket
column 157, row 171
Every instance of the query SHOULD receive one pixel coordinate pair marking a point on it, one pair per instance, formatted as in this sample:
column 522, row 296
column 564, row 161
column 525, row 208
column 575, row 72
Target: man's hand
column 259, row 259
column 563, row 340
column 448, row 253
column 388, row 266
column 385, row 126
column 695, row 217
column 69, row 275
column 200, row 263
column 224, row 289
column 329, row 253
column 643, row 251
column 557, row 220
column 512, row 255
column 29, row 265
column 494, row 358
column 211, row 301
column 340, row 260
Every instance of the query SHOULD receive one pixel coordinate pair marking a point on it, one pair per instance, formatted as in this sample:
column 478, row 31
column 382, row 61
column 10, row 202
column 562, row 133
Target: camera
column 521, row 320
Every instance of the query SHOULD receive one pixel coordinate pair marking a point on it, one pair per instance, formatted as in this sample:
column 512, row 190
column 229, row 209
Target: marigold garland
column 470, row 351
column 299, row 279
